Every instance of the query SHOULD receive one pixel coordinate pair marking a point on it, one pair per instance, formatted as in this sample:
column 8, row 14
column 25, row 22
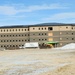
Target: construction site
column 49, row 61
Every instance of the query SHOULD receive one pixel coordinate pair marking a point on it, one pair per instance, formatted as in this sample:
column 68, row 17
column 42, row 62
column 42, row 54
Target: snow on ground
column 68, row 46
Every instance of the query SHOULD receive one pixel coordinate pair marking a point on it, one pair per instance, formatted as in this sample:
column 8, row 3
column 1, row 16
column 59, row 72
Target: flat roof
column 37, row 25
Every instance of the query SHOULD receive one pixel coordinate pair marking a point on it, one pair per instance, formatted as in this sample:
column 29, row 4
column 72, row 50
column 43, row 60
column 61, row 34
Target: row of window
column 7, row 30
column 13, row 40
column 41, row 34
column 41, row 39
column 20, row 40
column 11, row 46
column 67, row 38
column 14, row 35
column 66, row 33
column 40, row 28
column 20, row 35
column 49, row 28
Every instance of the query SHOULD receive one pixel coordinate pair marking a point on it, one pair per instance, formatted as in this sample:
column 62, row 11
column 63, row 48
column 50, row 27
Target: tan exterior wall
column 65, row 28
column 56, row 28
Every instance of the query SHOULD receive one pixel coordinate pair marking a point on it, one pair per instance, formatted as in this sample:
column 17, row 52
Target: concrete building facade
column 16, row 36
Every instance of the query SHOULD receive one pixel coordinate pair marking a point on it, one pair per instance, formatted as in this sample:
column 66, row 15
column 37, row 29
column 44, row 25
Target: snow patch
column 68, row 46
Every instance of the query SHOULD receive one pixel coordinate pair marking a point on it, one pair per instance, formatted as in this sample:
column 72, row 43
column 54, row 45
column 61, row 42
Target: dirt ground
column 37, row 62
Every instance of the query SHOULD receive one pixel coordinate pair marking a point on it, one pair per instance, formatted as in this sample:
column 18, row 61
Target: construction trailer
column 31, row 45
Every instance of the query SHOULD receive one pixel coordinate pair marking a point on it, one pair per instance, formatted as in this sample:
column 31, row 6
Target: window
column 33, row 34
column 45, row 28
column 39, row 33
column 42, row 28
column 1, row 30
column 1, row 46
column 72, row 27
column 7, row 30
column 28, row 40
column 4, row 35
column 13, row 29
column 45, row 33
column 28, row 29
column 25, row 29
column 1, row 35
column 50, row 28
column 16, row 45
column 7, row 45
column 4, row 40
column 45, row 39
column 39, row 28
column 33, row 28
column 13, row 45
column 66, row 27
column 10, row 40
column 25, row 40
column 10, row 29
column 10, row 35
column 4, row 30
column 4, row 46
column 7, row 40
column 72, row 38
column 13, row 40
column 61, row 44
column 16, row 29
column 42, row 39
column 72, row 33
column 22, row 29
column 19, row 29
column 50, row 34
column 10, row 45
column 66, row 33
column 60, row 38
column 50, row 39
column 42, row 33
column 22, row 45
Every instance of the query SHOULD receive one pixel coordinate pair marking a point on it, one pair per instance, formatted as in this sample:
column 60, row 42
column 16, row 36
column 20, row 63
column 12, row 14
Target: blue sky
column 27, row 12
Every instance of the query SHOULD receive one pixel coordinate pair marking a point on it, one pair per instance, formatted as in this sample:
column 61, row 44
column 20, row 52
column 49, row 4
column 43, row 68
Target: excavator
column 49, row 46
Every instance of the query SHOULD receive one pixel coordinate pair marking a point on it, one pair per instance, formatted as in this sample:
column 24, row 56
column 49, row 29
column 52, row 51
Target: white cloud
column 61, row 16
column 7, row 10
column 42, row 7
column 12, row 10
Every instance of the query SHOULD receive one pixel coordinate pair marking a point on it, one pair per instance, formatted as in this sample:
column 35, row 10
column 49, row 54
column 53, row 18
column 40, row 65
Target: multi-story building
column 16, row 36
